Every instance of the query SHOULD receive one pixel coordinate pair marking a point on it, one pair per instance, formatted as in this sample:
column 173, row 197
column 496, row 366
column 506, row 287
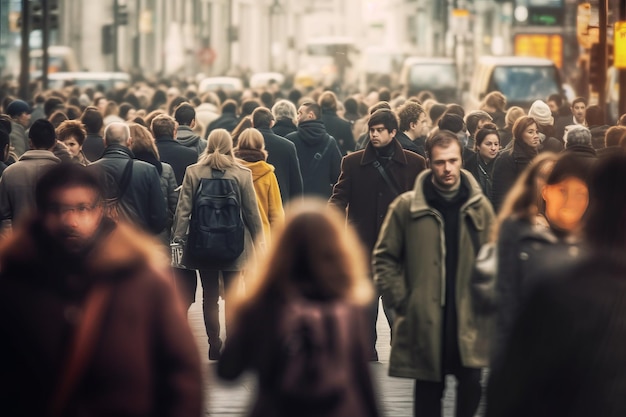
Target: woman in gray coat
column 218, row 156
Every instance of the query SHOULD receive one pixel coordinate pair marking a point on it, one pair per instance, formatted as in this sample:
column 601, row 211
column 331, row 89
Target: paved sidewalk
column 395, row 395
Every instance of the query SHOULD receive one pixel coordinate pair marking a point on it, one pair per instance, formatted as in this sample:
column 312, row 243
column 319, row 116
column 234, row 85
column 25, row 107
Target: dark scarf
column 150, row 158
column 250, row 155
column 386, row 153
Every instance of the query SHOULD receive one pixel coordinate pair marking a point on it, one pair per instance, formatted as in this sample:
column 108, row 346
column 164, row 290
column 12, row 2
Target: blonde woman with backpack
column 218, row 220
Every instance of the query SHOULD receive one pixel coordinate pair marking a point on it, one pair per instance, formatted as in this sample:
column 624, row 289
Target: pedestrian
column 179, row 156
column 512, row 162
column 474, row 121
column 144, row 149
column 72, row 133
column 285, row 114
column 19, row 112
column 576, row 116
column 133, row 185
column 93, row 147
column 227, row 119
column 482, row 161
column 282, row 154
column 92, row 321
column 318, row 152
column 412, row 127
column 611, row 141
column 494, row 104
column 595, row 121
column 301, row 326
column 548, row 141
column 185, row 116
column 370, row 180
column 506, row 133
column 423, row 262
column 244, row 123
column 336, row 127
column 579, row 140
column 219, row 156
column 251, row 151
column 564, row 356
column 17, row 184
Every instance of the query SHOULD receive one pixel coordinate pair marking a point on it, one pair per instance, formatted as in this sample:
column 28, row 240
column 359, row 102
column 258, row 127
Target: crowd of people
column 341, row 203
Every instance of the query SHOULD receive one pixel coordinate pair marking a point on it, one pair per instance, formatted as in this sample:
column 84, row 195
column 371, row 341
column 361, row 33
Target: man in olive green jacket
column 423, row 262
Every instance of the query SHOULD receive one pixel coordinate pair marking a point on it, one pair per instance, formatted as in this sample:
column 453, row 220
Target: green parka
column 409, row 267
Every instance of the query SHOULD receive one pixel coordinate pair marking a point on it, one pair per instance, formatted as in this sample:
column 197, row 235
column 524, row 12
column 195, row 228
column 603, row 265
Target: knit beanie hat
column 452, row 122
column 541, row 113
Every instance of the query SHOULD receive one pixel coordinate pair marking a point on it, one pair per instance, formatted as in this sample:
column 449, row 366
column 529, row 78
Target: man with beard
column 91, row 322
column 423, row 262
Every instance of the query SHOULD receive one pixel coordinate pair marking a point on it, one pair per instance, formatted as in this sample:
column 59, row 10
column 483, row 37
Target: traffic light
column 595, row 66
column 122, row 15
column 36, row 15
column 53, row 14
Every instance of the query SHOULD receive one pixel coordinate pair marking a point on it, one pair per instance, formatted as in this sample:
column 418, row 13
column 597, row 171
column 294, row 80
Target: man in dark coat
column 281, row 153
column 413, row 127
column 143, row 200
column 336, row 127
column 72, row 271
column 364, row 195
column 565, row 354
column 170, row 150
column 93, row 146
column 285, row 113
column 227, row 120
column 318, row 152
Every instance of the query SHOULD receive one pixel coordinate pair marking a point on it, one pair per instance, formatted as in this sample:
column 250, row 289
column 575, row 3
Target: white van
column 439, row 75
column 521, row 79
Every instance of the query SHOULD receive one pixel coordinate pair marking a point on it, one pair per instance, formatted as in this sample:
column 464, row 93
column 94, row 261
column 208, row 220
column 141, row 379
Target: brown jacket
column 363, row 193
column 145, row 360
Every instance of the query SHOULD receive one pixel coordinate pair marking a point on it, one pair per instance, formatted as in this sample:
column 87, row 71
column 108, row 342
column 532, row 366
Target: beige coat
column 409, row 267
column 250, row 211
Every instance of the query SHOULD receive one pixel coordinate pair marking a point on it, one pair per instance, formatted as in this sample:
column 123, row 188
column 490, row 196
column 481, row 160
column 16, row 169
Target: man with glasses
column 91, row 320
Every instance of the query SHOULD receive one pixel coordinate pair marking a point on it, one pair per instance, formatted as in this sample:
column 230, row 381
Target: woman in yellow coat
column 251, row 151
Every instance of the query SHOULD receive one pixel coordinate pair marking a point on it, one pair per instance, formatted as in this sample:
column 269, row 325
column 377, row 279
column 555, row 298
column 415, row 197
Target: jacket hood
column 259, row 169
column 312, row 132
column 187, row 137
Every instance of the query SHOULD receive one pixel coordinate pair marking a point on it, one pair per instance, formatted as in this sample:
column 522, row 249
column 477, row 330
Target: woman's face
column 566, row 203
column 73, row 145
column 489, row 147
column 530, row 136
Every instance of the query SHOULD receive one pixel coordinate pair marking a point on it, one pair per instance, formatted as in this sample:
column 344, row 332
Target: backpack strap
column 386, row 178
column 317, row 158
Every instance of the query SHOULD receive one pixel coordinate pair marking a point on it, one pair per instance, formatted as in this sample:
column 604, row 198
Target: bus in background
column 328, row 61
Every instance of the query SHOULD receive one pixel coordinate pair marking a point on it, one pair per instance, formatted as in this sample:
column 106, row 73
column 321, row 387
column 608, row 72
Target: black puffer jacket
column 311, row 138
column 143, row 196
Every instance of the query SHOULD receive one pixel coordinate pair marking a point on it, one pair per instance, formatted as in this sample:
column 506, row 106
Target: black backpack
column 216, row 227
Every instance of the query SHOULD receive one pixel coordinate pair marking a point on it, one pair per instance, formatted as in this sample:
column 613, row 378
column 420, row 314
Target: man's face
column 23, row 119
column 578, row 110
column 380, row 136
column 446, row 163
column 553, row 106
column 303, row 114
column 73, row 216
column 420, row 127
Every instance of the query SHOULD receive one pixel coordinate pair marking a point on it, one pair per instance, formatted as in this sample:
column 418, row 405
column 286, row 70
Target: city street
column 226, row 399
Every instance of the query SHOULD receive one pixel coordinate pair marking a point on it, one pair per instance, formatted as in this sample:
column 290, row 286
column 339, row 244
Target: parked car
column 228, row 84
column 262, row 79
column 521, row 79
column 104, row 81
column 439, row 75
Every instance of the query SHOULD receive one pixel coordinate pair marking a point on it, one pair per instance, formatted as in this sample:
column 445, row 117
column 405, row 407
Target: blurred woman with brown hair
column 302, row 325
column 72, row 133
column 251, row 151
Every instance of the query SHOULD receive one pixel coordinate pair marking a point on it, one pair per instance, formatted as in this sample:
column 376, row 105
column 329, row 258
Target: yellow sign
column 540, row 45
column 619, row 46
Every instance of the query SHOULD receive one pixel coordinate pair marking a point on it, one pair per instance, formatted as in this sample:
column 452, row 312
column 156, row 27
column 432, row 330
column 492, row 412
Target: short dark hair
column 262, row 118
column 185, row 114
column 42, row 134
column 385, row 117
column 163, row 125
column 613, row 135
column 579, row 100
column 229, row 106
column 63, row 175
column 557, row 98
column 51, row 105
column 248, row 106
column 409, row 113
column 594, row 115
column 92, row 119
column 313, row 108
column 442, row 139
column 472, row 119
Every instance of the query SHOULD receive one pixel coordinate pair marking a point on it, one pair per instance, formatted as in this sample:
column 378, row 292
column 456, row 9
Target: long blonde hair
column 312, row 255
column 219, row 150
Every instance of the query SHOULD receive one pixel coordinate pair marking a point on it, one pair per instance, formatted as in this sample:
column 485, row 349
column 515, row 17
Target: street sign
column 459, row 21
column 619, row 46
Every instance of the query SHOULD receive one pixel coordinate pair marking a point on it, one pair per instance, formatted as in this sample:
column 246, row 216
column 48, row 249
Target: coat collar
column 369, row 155
column 419, row 205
